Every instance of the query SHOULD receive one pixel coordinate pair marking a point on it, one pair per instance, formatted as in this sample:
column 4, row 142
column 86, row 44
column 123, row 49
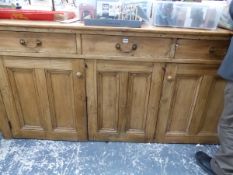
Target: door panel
column 108, row 97
column 48, row 98
column 214, row 107
column 61, row 98
column 185, row 90
column 25, row 92
column 138, row 95
column 120, row 93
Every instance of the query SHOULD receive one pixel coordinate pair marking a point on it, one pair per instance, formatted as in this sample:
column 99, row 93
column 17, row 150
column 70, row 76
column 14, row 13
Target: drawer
column 37, row 42
column 126, row 46
column 201, row 49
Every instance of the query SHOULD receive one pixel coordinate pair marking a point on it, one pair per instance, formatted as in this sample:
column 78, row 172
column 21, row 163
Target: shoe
column 203, row 160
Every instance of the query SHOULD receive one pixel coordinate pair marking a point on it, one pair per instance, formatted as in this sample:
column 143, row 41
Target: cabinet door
column 123, row 100
column 191, row 104
column 45, row 98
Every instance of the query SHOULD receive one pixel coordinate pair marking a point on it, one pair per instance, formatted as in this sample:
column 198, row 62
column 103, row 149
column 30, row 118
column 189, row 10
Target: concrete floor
column 37, row 157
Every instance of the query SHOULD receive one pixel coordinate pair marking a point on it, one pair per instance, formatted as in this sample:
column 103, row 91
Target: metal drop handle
column 35, row 44
column 133, row 48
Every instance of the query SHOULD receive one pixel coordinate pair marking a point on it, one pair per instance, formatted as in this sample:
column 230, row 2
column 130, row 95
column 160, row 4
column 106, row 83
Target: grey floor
column 37, row 157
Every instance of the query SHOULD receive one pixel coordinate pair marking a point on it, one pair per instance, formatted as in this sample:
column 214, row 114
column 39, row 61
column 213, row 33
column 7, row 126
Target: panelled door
column 123, row 100
column 45, row 98
column 191, row 104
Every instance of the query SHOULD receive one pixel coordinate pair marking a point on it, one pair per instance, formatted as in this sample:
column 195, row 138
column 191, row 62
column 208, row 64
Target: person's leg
column 222, row 162
column 216, row 168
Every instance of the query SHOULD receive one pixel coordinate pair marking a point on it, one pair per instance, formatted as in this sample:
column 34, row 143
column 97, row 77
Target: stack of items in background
column 127, row 13
column 204, row 15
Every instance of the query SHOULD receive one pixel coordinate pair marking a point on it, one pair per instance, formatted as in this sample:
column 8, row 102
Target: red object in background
column 35, row 14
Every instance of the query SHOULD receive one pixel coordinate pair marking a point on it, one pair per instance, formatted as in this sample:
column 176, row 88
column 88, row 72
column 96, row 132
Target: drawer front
column 31, row 42
column 126, row 46
column 201, row 49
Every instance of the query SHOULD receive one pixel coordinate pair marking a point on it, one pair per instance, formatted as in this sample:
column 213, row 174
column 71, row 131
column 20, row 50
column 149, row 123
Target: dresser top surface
column 5, row 24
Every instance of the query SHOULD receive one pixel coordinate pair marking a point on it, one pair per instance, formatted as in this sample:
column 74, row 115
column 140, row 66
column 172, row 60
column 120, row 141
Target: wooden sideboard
column 73, row 82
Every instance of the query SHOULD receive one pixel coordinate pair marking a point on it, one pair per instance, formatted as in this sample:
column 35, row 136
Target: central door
column 123, row 100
